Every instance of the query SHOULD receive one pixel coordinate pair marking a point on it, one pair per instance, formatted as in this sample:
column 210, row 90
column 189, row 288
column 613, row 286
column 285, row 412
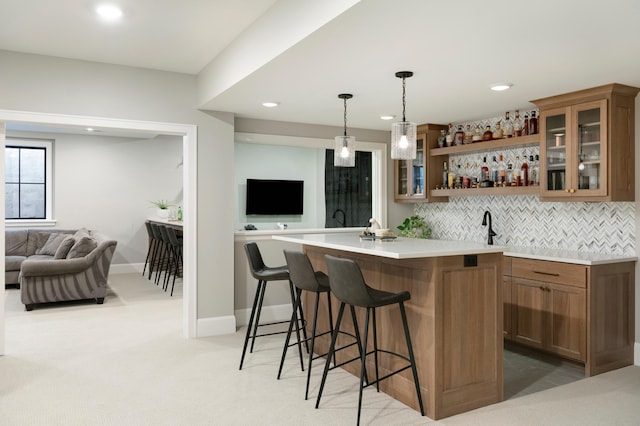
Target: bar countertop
column 400, row 248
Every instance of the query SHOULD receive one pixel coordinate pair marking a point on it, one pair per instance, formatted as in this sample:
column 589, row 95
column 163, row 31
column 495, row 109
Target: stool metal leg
column 375, row 349
column 258, row 312
column 363, row 363
column 332, row 348
column 411, row 356
column 313, row 341
column 294, row 320
column 251, row 318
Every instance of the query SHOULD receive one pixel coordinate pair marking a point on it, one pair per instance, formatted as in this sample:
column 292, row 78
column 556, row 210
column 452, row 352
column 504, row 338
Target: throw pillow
column 64, row 247
column 82, row 247
column 52, row 244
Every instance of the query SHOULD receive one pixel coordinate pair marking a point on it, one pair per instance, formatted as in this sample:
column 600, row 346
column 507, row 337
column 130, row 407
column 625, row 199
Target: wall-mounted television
column 274, row 197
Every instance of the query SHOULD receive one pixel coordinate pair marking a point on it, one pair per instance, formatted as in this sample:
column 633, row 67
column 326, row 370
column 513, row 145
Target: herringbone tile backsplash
column 522, row 220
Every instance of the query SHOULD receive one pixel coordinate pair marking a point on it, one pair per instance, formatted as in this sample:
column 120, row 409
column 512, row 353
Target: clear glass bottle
column 516, row 173
column 468, row 134
column 458, row 137
column 477, row 136
column 484, row 173
column 442, row 139
column 449, row 137
column 533, row 124
column 509, row 175
column 495, row 177
column 445, row 175
column 524, row 172
column 532, row 171
column 517, row 125
column 498, row 133
column 502, row 172
column 536, row 170
column 507, row 125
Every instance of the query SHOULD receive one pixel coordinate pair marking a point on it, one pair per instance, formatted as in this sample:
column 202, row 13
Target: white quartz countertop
column 400, row 248
column 566, row 256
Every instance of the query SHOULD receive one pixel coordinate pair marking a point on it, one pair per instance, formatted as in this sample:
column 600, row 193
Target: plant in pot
column 415, row 227
column 162, row 208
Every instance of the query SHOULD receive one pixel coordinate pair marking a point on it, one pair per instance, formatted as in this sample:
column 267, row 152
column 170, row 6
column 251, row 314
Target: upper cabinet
column 587, row 145
column 412, row 178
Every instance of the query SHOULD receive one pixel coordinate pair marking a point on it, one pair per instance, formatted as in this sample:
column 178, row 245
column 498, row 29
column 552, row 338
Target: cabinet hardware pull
column 541, row 288
column 553, row 274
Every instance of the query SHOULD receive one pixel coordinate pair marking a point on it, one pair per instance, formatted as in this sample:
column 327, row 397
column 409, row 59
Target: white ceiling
column 456, row 48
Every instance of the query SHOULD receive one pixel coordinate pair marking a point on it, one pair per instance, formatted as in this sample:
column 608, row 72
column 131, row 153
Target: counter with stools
column 305, row 278
column 164, row 252
column 264, row 274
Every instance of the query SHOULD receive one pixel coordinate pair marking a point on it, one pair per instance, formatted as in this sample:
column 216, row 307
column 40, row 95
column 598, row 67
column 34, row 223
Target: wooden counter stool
column 305, row 278
column 264, row 274
column 348, row 286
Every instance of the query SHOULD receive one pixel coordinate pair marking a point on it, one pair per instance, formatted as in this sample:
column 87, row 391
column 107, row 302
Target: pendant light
column 344, row 153
column 403, row 133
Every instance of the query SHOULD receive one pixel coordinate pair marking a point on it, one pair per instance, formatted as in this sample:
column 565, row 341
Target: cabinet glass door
column 418, row 169
column 402, row 177
column 556, row 152
column 591, row 144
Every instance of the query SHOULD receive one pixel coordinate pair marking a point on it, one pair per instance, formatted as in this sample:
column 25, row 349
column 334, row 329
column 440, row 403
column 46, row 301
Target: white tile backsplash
column 522, row 220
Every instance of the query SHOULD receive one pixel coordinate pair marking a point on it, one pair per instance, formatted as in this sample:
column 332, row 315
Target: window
column 27, row 165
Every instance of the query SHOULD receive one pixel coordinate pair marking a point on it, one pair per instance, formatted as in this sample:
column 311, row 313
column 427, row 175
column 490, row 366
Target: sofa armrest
column 39, row 267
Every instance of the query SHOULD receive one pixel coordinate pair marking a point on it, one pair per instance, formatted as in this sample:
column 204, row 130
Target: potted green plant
column 162, row 208
column 415, row 227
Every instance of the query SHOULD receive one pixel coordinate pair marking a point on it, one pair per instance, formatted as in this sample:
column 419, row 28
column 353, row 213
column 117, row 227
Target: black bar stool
column 160, row 255
column 348, row 286
column 151, row 251
column 175, row 244
column 264, row 274
column 305, row 278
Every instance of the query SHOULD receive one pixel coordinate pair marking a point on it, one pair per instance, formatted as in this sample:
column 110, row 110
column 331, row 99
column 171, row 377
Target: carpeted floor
column 126, row 363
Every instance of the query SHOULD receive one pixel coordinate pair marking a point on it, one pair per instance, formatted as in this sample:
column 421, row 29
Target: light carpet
column 126, row 363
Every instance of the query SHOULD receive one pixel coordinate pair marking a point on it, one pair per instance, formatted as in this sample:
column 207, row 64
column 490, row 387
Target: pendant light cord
column 404, row 118
column 345, row 116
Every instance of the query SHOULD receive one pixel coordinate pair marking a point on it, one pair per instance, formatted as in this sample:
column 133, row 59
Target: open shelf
column 492, row 145
column 467, row 192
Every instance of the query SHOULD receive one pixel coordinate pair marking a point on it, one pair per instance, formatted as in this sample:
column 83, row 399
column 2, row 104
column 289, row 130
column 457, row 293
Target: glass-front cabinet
column 574, row 150
column 587, row 145
column 412, row 176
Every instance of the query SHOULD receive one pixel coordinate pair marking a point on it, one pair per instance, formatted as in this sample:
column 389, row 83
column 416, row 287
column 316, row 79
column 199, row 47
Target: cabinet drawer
column 553, row 272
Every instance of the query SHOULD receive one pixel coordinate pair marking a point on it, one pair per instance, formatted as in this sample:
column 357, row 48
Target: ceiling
column 250, row 51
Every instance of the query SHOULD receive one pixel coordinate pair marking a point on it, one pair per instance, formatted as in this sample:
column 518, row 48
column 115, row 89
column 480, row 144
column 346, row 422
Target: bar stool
column 264, row 274
column 175, row 243
column 348, row 286
column 305, row 278
column 151, row 251
column 160, row 255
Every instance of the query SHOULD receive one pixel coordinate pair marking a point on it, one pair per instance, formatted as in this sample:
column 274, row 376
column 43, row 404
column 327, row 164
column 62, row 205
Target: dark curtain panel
column 347, row 192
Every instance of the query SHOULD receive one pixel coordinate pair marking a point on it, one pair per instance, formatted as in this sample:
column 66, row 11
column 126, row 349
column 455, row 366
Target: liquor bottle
column 525, row 127
column 536, row 171
column 516, row 173
column 509, row 175
column 488, row 134
column 524, row 172
column 507, row 126
column 498, row 133
column 445, row 175
column 484, row 174
column 451, row 177
column 179, row 213
column 442, row 139
column 477, row 136
column 458, row 137
column 458, row 183
column 449, row 137
column 468, row 134
column 533, row 173
column 533, row 124
column 502, row 172
column 517, row 125
column 494, row 171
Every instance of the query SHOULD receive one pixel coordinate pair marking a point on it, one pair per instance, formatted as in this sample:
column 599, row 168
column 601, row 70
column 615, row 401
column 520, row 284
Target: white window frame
column 47, row 144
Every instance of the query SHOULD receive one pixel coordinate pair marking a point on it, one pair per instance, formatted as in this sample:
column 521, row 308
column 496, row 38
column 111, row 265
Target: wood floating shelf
column 491, row 145
column 466, row 192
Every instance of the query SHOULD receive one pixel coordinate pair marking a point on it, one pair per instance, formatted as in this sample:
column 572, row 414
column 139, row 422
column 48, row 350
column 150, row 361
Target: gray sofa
column 53, row 265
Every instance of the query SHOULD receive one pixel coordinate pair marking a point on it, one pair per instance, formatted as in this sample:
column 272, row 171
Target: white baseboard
column 216, row 326
column 126, row 268
column 267, row 314
column 636, row 354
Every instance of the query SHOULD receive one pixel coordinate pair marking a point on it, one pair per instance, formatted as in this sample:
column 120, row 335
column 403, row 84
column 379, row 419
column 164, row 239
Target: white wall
column 258, row 161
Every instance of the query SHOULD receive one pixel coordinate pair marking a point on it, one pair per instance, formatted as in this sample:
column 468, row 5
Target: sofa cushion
column 52, row 244
column 36, row 240
column 12, row 263
column 64, row 247
column 82, row 247
column 15, row 242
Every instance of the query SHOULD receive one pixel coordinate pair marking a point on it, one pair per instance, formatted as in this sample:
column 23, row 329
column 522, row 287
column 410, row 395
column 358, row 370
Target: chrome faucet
column 344, row 217
column 491, row 234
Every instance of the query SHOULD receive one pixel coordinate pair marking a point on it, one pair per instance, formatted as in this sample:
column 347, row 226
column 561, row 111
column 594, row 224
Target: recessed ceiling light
column 109, row 12
column 270, row 104
column 499, row 87
column 90, row 129
column 387, row 117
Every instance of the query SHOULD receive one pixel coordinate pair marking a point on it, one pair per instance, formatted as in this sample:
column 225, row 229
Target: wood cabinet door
column 567, row 309
column 506, row 300
column 528, row 312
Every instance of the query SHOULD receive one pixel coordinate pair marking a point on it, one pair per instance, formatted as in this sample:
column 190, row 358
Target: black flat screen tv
column 274, row 197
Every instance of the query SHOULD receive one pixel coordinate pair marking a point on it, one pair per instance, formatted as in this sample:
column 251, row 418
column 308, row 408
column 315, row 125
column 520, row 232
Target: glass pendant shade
column 403, row 140
column 344, row 153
